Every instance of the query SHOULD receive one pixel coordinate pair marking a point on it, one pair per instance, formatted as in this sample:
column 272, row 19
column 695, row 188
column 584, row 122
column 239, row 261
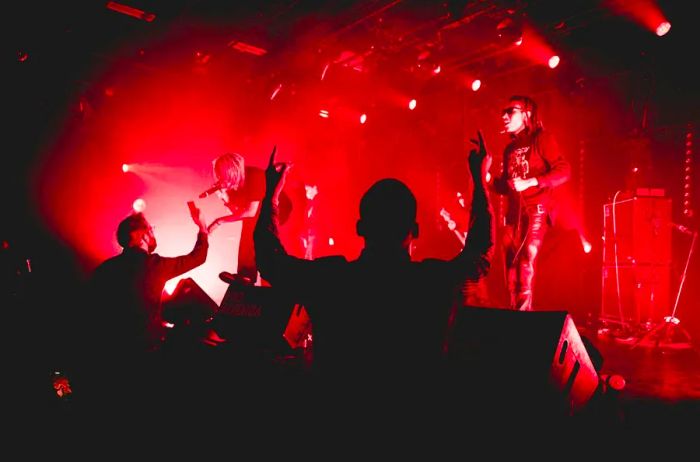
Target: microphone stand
column 664, row 330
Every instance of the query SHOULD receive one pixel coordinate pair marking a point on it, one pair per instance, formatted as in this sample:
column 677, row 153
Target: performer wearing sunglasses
column 533, row 166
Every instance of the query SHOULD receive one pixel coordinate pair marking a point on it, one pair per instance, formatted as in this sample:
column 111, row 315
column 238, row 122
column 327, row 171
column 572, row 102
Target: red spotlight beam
column 131, row 11
column 644, row 12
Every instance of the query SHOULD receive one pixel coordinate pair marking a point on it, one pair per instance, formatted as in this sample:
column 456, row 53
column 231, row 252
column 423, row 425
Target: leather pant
column 522, row 242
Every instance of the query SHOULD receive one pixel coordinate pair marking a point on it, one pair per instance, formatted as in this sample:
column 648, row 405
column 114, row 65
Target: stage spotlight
column 412, row 104
column 436, row 69
column 585, row 243
column 323, row 113
column 363, row 118
column 476, row 84
column 553, row 62
column 510, row 31
column 125, row 168
column 139, row 205
column 663, row 28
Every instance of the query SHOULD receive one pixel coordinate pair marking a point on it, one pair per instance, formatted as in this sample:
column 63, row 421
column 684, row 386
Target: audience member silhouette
column 379, row 321
column 122, row 357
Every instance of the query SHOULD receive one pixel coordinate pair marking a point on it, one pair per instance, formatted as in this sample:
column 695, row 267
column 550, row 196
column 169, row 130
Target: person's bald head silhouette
column 388, row 214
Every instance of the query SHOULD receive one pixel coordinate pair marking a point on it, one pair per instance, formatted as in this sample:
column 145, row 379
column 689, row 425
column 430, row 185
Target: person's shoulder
column 428, row 262
column 107, row 263
column 330, row 264
column 104, row 270
column 331, row 260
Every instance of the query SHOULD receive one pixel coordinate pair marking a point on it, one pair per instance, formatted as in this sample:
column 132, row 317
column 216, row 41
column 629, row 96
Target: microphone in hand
column 215, row 187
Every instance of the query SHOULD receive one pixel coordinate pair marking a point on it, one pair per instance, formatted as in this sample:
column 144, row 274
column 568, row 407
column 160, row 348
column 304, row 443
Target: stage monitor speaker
column 253, row 317
column 188, row 304
column 534, row 360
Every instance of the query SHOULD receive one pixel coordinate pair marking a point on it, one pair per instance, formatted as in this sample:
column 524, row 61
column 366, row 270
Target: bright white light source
column 663, row 28
column 170, row 286
column 139, row 205
column 553, row 61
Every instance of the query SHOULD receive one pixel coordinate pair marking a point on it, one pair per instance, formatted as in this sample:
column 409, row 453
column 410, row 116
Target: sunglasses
column 511, row 110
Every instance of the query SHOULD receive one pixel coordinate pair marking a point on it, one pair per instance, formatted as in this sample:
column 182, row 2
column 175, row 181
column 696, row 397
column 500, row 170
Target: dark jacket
column 381, row 315
column 532, row 155
column 125, row 292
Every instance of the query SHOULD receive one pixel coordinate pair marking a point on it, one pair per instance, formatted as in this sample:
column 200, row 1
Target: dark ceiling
column 462, row 36
column 63, row 47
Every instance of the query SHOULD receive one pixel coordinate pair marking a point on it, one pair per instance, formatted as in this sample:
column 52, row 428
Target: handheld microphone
column 215, row 187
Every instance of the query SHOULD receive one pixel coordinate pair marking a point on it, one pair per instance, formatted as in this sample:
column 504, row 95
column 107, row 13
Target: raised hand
column 275, row 175
column 479, row 158
column 197, row 217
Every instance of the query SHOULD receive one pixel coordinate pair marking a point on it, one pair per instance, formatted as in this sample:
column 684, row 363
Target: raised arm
column 500, row 182
column 249, row 212
column 175, row 266
column 274, row 263
column 478, row 250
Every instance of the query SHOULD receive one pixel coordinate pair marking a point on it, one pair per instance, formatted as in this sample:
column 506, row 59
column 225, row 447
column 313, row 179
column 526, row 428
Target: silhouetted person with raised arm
column 379, row 322
column 123, row 309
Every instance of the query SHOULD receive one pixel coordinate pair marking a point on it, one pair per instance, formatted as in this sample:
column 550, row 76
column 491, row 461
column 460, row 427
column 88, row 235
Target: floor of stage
column 660, row 374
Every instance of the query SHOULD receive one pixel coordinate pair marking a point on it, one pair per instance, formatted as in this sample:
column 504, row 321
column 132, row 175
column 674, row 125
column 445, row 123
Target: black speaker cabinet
column 636, row 260
column 512, row 360
column 637, row 231
column 637, row 294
